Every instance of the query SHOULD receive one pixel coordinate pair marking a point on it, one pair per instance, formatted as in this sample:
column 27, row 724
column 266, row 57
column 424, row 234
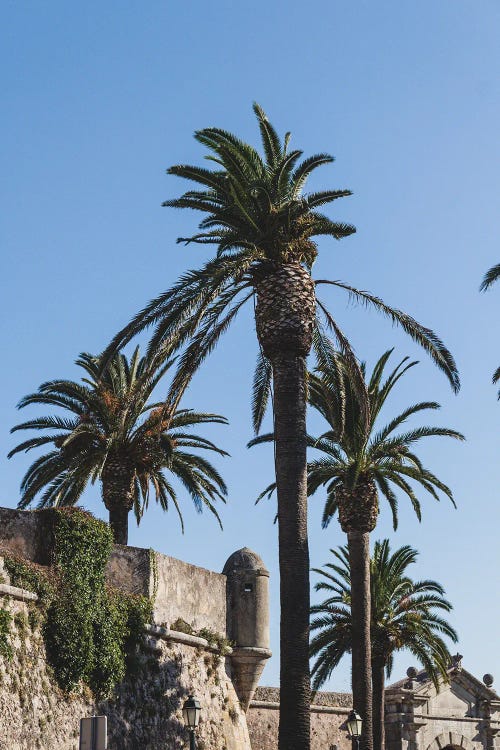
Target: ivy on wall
column 91, row 632
column 5, row 647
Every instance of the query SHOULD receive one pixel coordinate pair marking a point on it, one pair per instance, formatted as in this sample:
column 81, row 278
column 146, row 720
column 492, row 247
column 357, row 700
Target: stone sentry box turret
column 247, row 599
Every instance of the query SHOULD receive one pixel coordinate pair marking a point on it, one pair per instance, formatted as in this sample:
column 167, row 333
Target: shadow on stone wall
column 145, row 709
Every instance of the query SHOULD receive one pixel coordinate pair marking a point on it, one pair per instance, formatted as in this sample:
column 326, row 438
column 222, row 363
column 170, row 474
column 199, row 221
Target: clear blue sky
column 100, row 98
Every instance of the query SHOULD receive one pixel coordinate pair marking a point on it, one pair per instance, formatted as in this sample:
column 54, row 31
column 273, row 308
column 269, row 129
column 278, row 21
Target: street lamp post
column 354, row 726
column 191, row 712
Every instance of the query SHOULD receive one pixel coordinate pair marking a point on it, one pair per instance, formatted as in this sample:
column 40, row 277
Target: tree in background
column 359, row 462
column 489, row 278
column 114, row 435
column 405, row 614
column 264, row 227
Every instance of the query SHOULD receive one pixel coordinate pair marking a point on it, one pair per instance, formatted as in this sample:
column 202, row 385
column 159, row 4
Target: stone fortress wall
column 233, row 603
column 177, row 588
column 145, row 713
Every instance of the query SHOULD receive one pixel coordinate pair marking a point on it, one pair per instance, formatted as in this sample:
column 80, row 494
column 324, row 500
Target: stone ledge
column 315, row 708
column 331, row 700
column 158, row 631
column 250, row 652
column 442, row 717
column 16, row 593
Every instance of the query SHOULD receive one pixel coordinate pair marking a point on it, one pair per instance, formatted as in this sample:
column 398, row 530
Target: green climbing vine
column 5, row 647
column 28, row 575
column 91, row 631
column 153, row 565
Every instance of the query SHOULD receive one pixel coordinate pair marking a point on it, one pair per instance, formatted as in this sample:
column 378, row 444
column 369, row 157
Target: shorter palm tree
column 360, row 461
column 404, row 615
column 489, row 278
column 114, row 435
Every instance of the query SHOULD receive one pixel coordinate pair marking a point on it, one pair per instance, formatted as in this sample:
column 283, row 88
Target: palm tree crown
column 356, row 453
column 113, row 434
column 403, row 614
column 492, row 275
column 262, row 222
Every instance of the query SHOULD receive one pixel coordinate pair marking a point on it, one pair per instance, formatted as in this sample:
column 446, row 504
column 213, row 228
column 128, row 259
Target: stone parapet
column 181, row 590
column 338, row 700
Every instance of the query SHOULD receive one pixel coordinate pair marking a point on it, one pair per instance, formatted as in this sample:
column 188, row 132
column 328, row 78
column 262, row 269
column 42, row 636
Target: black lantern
column 354, row 726
column 191, row 712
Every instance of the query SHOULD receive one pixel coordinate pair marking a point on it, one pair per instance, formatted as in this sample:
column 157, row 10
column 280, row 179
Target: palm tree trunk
column 291, row 477
column 359, row 557
column 117, row 478
column 378, row 682
column 118, row 520
column 284, row 318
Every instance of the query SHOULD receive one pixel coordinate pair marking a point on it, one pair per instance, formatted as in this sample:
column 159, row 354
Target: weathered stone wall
column 195, row 594
column 145, row 712
column 129, row 569
column 178, row 589
column 328, row 714
column 26, row 534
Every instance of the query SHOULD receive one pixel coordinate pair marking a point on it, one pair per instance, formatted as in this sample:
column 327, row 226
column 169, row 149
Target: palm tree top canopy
column 404, row 613
column 257, row 205
column 259, row 217
column 111, row 427
column 356, row 450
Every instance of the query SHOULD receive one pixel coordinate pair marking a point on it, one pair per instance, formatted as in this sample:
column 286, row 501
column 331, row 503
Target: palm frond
column 262, row 385
column 492, row 275
column 423, row 336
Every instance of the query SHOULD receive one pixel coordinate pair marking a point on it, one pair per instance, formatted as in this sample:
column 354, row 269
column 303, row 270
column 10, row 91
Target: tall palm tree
column 264, row 225
column 489, row 278
column 113, row 434
column 404, row 615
